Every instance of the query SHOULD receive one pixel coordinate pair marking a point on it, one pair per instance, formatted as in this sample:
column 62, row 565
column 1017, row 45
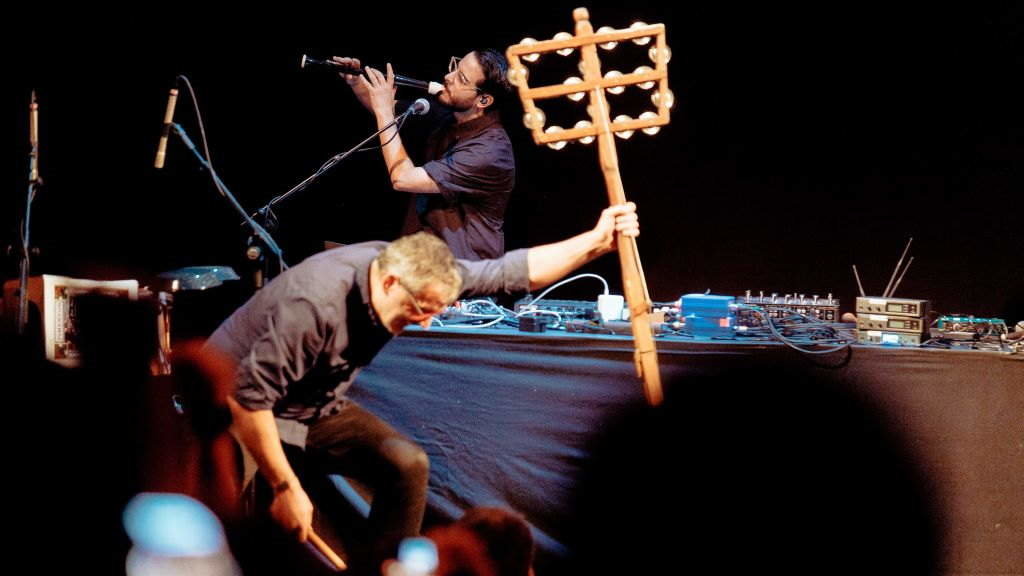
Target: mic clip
column 267, row 218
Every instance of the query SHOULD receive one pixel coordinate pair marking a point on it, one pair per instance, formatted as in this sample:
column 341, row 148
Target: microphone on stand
column 428, row 87
column 34, row 181
column 33, row 139
column 161, row 149
column 418, row 108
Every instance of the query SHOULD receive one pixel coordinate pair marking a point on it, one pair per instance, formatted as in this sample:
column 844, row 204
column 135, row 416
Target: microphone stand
column 24, row 261
column 257, row 230
column 266, row 213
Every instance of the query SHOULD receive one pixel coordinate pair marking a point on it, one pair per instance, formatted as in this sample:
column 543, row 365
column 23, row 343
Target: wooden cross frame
column 601, row 128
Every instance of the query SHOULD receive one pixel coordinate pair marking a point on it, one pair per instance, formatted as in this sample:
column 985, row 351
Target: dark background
column 802, row 141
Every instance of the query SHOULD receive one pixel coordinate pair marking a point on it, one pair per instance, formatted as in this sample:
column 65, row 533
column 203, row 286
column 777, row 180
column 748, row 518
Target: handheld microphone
column 428, row 87
column 161, row 149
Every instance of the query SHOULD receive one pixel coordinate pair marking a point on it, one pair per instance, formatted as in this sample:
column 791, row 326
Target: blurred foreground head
column 755, row 468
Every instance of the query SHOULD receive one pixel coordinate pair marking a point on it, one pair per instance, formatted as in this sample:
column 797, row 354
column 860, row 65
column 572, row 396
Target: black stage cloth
column 507, row 419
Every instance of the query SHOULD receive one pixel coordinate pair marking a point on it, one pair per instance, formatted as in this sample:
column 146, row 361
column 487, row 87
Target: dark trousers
column 359, row 445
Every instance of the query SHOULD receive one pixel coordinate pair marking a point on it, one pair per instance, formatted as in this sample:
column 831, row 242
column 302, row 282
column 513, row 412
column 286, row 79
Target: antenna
column 889, row 287
column 900, row 279
column 857, row 276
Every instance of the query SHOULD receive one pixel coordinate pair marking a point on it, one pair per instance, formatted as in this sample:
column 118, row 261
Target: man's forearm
column 257, row 430
column 391, row 146
column 551, row 262
column 291, row 507
column 405, row 176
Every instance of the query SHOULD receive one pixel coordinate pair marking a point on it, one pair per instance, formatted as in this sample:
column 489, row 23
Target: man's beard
column 446, row 100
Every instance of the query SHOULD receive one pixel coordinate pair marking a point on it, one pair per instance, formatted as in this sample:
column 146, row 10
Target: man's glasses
column 419, row 309
column 453, row 66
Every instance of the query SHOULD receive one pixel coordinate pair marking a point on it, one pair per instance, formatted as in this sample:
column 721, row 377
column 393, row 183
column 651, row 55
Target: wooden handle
column 327, row 552
column 601, row 130
column 633, row 285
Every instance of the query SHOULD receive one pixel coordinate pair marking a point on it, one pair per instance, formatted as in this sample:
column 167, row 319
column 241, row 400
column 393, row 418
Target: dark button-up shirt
column 300, row 341
column 474, row 167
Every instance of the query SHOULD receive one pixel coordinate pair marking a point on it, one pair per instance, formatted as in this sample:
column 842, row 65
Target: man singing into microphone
column 462, row 190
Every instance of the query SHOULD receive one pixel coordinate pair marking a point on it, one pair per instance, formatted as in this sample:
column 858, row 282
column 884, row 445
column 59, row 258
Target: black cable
column 202, row 127
column 769, row 321
column 398, row 129
column 209, row 165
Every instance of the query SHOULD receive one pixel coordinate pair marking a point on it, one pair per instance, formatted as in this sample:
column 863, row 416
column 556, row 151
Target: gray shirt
column 300, row 341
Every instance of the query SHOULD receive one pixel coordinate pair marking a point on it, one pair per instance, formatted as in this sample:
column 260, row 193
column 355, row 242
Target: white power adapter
column 609, row 306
